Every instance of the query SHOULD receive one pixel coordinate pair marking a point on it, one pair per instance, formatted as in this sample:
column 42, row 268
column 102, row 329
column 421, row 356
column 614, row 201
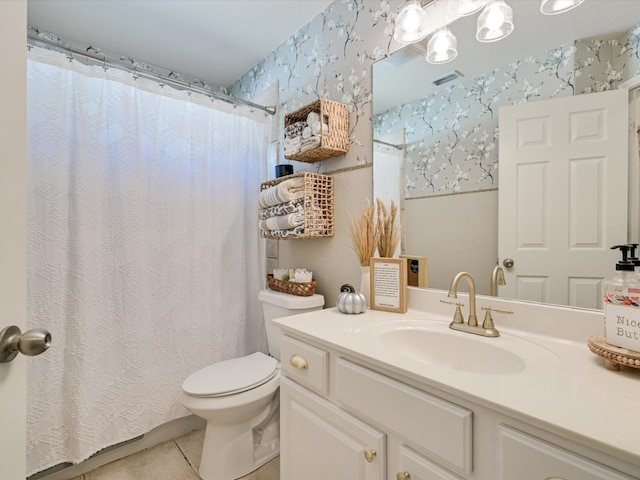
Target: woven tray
column 332, row 143
column 293, row 288
column 613, row 356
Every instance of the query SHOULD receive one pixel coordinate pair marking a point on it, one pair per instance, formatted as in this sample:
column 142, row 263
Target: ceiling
column 216, row 41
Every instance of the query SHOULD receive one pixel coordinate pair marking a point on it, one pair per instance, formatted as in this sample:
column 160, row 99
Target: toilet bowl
column 239, row 399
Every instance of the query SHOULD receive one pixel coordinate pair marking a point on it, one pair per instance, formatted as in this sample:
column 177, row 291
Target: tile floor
column 173, row 460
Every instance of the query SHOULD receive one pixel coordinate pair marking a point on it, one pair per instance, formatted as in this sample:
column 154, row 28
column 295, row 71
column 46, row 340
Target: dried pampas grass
column 374, row 230
column 364, row 234
column 388, row 232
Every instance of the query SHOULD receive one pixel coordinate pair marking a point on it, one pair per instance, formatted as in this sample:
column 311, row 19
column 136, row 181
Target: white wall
column 449, row 240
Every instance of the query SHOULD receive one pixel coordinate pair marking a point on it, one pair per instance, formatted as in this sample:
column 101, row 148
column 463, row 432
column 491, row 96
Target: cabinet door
column 319, row 441
column 524, row 457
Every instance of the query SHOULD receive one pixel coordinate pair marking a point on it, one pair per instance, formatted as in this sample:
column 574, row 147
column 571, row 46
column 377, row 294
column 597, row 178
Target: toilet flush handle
column 298, row 361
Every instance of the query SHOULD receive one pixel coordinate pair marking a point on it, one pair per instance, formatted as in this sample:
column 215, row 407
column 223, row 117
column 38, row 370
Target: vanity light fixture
column 553, row 7
column 463, row 8
column 415, row 22
column 411, row 24
column 442, row 47
column 495, row 22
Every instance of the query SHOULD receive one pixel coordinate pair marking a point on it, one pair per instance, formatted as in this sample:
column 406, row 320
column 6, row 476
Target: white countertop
column 569, row 392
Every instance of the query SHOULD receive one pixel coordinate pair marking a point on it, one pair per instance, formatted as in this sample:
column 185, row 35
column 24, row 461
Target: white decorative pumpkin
column 350, row 301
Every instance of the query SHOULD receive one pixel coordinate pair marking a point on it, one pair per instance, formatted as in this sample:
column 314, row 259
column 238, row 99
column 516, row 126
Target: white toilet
column 239, row 398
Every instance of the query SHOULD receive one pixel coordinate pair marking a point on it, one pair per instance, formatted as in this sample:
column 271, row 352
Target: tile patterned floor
column 173, row 460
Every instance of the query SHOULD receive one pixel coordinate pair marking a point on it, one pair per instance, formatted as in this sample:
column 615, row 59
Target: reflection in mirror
column 446, row 136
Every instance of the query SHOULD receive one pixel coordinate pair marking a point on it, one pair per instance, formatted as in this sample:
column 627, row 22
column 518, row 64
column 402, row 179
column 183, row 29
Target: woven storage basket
column 318, row 205
column 305, row 289
column 332, row 143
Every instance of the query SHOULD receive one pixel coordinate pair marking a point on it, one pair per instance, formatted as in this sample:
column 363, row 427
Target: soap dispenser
column 616, row 286
column 635, row 260
column 621, row 302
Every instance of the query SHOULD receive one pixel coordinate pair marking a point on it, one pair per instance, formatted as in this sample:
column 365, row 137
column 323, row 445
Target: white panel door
column 563, row 196
column 13, row 180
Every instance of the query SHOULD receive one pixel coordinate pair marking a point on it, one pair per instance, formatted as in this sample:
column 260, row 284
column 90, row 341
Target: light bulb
column 495, row 19
column 442, row 47
column 411, row 24
column 553, row 7
column 495, row 22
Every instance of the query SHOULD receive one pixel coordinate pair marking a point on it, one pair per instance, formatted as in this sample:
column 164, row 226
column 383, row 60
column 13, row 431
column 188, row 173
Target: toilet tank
column 277, row 305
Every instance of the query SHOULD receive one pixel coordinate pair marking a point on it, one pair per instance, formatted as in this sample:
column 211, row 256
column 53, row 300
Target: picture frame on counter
column 388, row 278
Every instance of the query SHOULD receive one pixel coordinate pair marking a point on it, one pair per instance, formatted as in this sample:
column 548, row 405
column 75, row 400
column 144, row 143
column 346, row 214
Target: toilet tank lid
column 293, row 302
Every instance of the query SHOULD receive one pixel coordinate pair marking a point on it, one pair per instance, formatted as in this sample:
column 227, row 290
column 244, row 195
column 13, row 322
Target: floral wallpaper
column 460, row 151
column 331, row 57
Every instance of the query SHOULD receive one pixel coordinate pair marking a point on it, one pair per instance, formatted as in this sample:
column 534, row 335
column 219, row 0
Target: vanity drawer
column 418, row 467
column 528, row 458
column 428, row 423
column 306, row 364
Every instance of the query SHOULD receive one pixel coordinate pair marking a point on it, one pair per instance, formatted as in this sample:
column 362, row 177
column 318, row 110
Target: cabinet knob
column 403, row 476
column 370, row 455
column 298, row 361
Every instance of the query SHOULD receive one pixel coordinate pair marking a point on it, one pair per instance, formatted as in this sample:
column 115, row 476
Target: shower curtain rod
column 105, row 61
column 397, row 147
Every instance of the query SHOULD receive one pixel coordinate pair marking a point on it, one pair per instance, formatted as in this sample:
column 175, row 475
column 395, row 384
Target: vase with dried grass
column 375, row 230
column 364, row 235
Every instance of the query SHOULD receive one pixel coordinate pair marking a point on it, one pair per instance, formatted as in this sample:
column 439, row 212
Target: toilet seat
column 231, row 376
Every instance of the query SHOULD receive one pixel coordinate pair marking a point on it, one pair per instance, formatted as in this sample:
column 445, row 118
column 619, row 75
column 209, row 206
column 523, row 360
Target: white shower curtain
column 144, row 260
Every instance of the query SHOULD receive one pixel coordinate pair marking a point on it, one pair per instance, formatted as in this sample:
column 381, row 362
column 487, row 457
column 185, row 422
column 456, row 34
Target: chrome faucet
column 487, row 329
column 497, row 278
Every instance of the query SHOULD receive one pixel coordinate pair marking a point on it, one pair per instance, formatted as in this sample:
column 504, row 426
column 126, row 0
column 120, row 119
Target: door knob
column 12, row 341
column 507, row 262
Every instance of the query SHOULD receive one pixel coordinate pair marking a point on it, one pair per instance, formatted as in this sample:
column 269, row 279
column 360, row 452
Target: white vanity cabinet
column 338, row 428
column 343, row 418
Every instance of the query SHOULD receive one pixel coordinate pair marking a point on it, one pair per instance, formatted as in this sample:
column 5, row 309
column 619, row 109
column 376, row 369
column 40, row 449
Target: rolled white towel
column 317, row 128
column 293, row 141
column 313, row 117
column 306, row 133
column 288, row 151
column 282, row 192
column 282, row 222
column 310, row 143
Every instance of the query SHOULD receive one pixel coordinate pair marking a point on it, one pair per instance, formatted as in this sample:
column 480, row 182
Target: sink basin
column 435, row 344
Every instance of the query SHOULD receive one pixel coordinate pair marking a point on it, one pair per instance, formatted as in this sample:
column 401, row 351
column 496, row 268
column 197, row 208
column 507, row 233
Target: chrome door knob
column 508, row 262
column 13, row 341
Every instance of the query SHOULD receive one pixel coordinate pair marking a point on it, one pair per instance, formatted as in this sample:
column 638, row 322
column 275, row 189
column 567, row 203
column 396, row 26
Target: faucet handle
column 487, row 324
column 457, row 317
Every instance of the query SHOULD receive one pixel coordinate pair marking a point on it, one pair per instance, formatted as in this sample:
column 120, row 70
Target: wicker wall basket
column 305, row 289
column 332, row 143
column 318, row 205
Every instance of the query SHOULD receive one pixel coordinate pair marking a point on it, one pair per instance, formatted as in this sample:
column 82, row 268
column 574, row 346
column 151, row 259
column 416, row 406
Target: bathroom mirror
column 451, row 211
